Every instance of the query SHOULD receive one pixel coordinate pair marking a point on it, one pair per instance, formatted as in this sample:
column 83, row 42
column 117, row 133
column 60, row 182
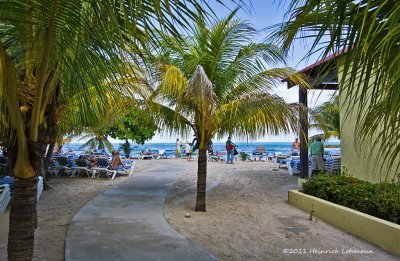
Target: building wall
column 365, row 161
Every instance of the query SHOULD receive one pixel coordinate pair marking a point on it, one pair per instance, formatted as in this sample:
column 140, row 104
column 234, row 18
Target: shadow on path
column 127, row 222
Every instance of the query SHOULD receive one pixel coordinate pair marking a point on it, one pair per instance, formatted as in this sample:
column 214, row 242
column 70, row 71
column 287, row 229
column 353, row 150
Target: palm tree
column 368, row 32
column 327, row 119
column 52, row 48
column 96, row 141
column 214, row 83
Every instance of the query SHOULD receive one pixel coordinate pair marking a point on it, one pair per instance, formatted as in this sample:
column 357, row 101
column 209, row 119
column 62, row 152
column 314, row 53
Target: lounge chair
column 259, row 154
column 81, row 165
column 216, row 157
column 334, row 164
column 162, row 154
column 127, row 169
column 5, row 197
column 6, row 187
column 281, row 160
column 146, row 156
column 60, row 165
column 104, row 166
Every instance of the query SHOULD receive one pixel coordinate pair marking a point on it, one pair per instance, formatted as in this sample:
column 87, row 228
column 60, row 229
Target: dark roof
column 323, row 72
column 329, row 58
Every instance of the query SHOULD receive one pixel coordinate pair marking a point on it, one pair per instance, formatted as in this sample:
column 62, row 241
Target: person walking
column 230, row 148
column 317, row 153
column 178, row 148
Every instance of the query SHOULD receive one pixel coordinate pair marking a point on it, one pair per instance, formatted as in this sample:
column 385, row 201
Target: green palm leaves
column 234, row 95
column 368, row 32
column 327, row 118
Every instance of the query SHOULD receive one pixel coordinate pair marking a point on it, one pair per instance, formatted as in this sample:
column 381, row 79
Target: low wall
column 380, row 232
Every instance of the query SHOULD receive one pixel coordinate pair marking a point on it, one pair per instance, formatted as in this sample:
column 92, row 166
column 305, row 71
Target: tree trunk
column 47, row 159
column 23, row 215
column 22, row 220
column 46, row 164
column 201, row 181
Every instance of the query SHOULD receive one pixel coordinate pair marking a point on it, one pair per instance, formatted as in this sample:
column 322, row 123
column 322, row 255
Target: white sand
column 247, row 215
column 56, row 208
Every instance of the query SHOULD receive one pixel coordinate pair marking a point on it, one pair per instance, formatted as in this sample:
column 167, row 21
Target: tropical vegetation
column 366, row 34
column 327, row 118
column 380, row 200
column 137, row 125
column 214, row 82
column 50, row 49
column 96, row 141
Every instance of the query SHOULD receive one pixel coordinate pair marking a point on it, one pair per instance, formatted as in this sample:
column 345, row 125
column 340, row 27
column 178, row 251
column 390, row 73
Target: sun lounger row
column 330, row 166
column 75, row 167
column 6, row 189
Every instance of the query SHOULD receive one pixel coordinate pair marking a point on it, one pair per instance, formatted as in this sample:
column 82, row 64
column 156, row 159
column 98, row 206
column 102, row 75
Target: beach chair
column 335, row 164
column 79, row 166
column 281, row 160
column 215, row 157
column 6, row 188
column 259, row 154
column 104, row 166
column 162, row 154
column 5, row 197
column 60, row 165
column 143, row 156
column 127, row 169
column 293, row 166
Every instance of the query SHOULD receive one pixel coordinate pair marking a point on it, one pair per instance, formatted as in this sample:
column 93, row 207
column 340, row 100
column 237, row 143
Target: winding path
column 127, row 222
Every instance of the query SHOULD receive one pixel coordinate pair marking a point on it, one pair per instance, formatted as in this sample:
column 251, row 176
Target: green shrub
column 243, row 156
column 380, row 200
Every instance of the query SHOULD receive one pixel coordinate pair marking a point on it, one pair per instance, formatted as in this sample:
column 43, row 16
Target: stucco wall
column 365, row 161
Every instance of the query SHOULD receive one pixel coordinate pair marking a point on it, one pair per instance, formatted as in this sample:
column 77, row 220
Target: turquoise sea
column 248, row 147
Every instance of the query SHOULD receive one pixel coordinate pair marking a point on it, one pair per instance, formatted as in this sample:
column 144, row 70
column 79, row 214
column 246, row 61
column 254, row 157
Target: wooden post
column 303, row 133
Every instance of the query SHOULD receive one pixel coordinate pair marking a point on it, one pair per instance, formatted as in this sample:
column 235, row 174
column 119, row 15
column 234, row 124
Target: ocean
column 270, row 147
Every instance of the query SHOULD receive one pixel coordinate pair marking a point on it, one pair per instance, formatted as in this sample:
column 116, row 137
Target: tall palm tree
column 368, row 31
column 327, row 118
column 49, row 49
column 214, row 82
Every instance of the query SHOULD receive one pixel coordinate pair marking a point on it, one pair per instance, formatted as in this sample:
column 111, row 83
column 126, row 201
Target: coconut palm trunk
column 201, row 181
column 23, row 215
column 22, row 222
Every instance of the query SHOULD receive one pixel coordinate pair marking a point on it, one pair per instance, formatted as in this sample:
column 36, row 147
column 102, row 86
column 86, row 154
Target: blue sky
column 265, row 13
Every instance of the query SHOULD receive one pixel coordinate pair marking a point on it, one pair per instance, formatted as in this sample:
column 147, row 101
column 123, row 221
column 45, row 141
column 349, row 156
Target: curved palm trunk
column 201, row 181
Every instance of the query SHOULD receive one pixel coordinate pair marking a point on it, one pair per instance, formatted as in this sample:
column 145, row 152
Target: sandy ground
column 247, row 218
column 56, row 208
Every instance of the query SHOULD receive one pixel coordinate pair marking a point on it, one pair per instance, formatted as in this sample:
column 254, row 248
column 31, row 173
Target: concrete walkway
column 127, row 222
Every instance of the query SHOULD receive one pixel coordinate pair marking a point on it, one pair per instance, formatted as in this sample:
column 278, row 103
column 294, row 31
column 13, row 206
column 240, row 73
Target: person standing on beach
column 230, row 148
column 188, row 152
column 317, row 153
column 178, row 148
column 296, row 145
